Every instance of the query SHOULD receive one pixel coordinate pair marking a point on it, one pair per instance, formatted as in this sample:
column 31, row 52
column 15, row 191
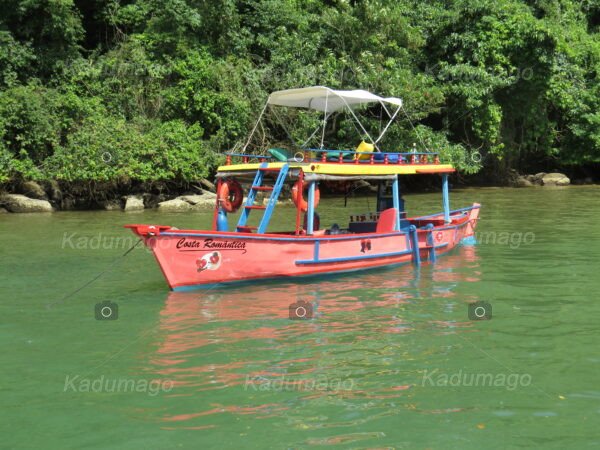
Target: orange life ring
column 230, row 195
column 298, row 197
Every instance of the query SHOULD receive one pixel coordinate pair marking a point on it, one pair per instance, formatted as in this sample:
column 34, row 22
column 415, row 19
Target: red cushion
column 387, row 221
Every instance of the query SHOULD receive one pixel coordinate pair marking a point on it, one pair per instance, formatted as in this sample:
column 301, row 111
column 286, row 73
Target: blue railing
column 344, row 156
column 354, row 152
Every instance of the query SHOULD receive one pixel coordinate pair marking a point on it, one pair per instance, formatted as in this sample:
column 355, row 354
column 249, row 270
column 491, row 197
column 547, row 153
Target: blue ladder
column 257, row 186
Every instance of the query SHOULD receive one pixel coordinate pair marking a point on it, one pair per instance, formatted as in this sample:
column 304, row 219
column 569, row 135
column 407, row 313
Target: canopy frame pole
column 274, row 112
column 359, row 122
column 384, row 107
column 388, row 124
column 255, row 126
column 315, row 132
column 324, row 120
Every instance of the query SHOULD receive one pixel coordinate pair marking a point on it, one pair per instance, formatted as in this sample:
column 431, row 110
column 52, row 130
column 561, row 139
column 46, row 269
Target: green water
column 229, row 369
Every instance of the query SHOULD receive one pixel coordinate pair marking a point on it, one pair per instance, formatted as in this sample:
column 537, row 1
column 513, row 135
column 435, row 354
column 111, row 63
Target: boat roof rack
column 319, row 165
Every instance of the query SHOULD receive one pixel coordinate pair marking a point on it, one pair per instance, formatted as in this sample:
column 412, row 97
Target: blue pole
column 311, row 207
column 414, row 239
column 222, row 224
column 431, row 242
column 396, row 195
column 445, row 198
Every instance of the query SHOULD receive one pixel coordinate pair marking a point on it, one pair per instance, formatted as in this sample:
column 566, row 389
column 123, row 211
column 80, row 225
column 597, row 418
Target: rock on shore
column 111, row 205
column 175, row 205
column 18, row 203
column 207, row 199
column 545, row 179
column 134, row 203
column 33, row 190
column 555, row 179
column 522, row 181
column 188, row 202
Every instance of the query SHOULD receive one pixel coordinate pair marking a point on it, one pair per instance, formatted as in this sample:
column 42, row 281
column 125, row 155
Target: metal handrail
column 305, row 155
column 468, row 208
column 368, row 153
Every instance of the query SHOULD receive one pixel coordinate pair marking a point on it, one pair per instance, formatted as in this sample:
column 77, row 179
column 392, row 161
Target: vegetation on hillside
column 147, row 90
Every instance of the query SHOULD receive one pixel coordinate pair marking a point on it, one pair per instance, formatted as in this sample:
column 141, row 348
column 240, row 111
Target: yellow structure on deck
column 346, row 168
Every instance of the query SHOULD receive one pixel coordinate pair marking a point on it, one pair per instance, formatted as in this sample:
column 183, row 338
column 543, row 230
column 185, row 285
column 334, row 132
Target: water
column 390, row 358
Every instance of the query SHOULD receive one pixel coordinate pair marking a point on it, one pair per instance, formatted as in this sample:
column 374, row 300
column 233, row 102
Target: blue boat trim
column 350, row 258
column 468, row 241
column 302, row 239
column 275, row 238
column 194, row 287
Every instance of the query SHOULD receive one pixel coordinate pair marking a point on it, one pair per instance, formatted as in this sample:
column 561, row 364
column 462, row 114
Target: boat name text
column 195, row 244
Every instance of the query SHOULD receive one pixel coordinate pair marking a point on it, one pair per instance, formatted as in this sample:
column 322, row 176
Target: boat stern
column 469, row 236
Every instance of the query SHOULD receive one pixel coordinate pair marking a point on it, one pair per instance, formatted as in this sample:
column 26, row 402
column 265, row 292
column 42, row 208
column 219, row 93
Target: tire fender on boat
column 298, row 195
column 230, row 195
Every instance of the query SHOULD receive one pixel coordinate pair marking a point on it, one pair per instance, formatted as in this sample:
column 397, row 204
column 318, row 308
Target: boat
column 250, row 251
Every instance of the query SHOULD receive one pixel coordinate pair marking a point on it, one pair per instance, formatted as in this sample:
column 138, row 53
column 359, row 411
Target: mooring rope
column 117, row 260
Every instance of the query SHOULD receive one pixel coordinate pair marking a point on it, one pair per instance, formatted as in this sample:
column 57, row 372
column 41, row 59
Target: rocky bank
column 30, row 197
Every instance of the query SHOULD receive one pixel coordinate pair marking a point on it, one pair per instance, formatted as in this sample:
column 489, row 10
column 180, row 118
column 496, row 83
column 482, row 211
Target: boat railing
column 341, row 156
column 246, row 158
column 454, row 211
column 374, row 216
column 344, row 157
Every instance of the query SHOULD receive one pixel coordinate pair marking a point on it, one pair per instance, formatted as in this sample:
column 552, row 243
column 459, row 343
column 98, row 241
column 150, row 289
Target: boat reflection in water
column 236, row 351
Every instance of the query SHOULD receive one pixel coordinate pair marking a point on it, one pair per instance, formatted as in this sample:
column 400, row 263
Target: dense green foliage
column 154, row 90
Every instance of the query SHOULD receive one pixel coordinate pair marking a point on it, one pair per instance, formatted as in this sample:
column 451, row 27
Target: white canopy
column 324, row 99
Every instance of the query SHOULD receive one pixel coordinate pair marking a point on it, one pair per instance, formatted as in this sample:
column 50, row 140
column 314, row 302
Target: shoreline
column 208, row 207
column 53, row 196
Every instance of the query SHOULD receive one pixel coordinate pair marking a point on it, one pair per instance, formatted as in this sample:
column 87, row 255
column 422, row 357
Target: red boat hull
column 192, row 259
